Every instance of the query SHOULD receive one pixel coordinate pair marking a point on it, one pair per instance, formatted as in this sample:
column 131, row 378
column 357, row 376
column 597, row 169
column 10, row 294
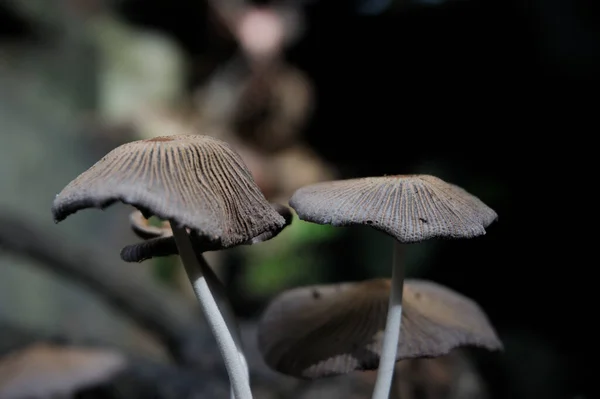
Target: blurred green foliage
column 164, row 269
column 289, row 259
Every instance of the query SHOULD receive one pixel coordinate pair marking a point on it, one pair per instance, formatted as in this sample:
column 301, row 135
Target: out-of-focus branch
column 175, row 322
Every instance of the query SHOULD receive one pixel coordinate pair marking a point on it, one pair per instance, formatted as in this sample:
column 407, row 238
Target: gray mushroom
column 410, row 208
column 195, row 182
column 325, row 330
column 43, row 371
column 159, row 241
column 203, row 188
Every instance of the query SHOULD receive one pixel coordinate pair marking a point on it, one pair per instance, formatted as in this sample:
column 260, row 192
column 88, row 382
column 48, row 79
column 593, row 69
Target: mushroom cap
column 160, row 240
column 324, row 330
column 411, row 208
column 151, row 248
column 144, row 230
column 43, row 370
column 195, row 181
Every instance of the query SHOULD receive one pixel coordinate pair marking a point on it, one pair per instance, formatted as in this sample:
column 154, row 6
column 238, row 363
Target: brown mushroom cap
column 45, row 371
column 324, row 330
column 162, row 242
column 196, row 181
column 411, row 208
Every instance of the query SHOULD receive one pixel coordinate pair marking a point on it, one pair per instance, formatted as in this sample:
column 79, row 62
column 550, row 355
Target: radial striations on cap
column 196, row 181
column 411, row 208
column 325, row 330
column 288, row 217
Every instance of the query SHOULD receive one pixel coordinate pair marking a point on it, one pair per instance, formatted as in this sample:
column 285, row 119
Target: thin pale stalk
column 220, row 295
column 236, row 369
column 389, row 348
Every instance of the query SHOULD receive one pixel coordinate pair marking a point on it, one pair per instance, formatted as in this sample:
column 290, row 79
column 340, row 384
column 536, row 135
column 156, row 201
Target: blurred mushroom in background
column 45, row 371
column 451, row 376
column 326, row 330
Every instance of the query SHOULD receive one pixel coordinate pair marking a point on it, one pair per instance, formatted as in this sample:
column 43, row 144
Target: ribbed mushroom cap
column 47, row 371
column 160, row 241
column 325, row 330
column 411, row 208
column 196, row 181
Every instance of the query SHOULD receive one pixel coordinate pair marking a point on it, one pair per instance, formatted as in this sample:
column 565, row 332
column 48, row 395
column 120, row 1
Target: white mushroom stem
column 218, row 291
column 236, row 368
column 389, row 349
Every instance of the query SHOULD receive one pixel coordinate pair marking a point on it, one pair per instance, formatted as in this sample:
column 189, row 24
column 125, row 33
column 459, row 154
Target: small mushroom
column 325, row 330
column 43, row 371
column 411, row 209
column 145, row 230
column 160, row 240
column 205, row 191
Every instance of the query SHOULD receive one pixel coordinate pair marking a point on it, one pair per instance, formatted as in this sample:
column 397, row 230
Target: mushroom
column 205, row 191
column 411, row 209
column 159, row 241
column 326, row 330
column 145, row 230
column 43, row 371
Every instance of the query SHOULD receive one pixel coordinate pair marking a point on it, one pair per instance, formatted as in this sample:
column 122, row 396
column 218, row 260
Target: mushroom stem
column 236, row 369
column 218, row 291
column 389, row 349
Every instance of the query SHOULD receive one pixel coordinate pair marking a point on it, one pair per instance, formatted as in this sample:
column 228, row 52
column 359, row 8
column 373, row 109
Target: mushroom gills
column 327, row 330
